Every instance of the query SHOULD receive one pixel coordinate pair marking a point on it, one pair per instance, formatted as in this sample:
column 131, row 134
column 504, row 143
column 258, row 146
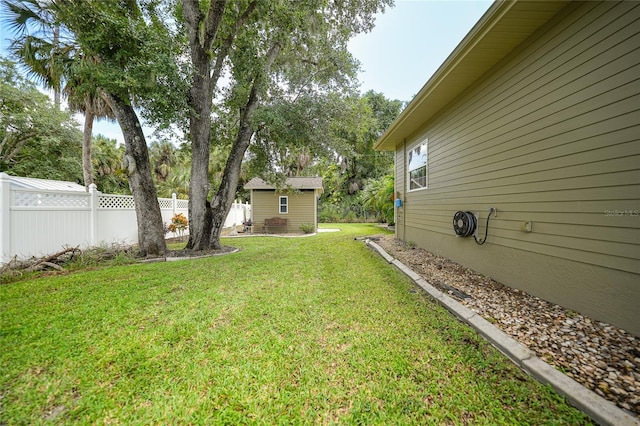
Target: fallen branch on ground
column 53, row 261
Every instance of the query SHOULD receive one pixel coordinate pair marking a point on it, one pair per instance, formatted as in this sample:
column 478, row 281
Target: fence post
column 174, row 203
column 234, row 211
column 93, row 220
column 5, row 218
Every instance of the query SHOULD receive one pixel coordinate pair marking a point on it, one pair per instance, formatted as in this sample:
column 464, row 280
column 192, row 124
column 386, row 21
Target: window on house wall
column 283, row 204
column 417, row 166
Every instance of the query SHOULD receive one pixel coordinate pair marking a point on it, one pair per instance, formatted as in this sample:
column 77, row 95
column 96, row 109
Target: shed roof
column 292, row 182
column 501, row 29
column 46, row 184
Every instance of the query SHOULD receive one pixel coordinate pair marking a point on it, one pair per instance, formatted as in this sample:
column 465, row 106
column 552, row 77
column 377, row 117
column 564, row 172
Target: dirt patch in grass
column 184, row 253
column 194, row 254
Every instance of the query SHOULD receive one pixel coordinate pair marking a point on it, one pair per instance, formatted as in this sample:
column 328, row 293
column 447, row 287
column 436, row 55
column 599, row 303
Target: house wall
column 551, row 135
column 302, row 208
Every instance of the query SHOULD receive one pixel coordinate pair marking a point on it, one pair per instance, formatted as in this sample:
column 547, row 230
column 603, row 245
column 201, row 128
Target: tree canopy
column 36, row 138
column 272, row 52
column 268, row 81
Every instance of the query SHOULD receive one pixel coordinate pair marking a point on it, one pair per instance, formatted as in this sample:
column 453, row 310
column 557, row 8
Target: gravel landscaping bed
column 602, row 357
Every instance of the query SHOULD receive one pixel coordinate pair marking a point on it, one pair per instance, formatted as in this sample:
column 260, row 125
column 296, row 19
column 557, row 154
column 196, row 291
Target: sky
column 407, row 45
column 410, row 41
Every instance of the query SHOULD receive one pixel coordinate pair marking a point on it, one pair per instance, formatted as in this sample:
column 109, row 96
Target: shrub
column 178, row 224
column 378, row 195
column 308, row 228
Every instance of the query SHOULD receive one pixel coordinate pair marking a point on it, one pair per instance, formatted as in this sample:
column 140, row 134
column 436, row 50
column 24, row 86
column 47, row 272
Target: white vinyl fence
column 35, row 222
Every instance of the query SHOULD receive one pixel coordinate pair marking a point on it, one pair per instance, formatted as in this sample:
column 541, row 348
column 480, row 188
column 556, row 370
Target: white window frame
column 281, row 204
column 423, row 146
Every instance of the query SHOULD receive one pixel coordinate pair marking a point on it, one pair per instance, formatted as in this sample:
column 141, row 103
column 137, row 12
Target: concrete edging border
column 601, row 410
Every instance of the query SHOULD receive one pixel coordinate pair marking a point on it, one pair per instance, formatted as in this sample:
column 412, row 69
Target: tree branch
column 231, row 173
column 5, row 139
column 18, row 144
column 203, row 28
column 226, row 45
column 193, row 18
column 212, row 22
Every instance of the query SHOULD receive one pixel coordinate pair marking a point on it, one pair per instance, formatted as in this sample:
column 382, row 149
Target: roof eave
column 260, row 184
column 476, row 54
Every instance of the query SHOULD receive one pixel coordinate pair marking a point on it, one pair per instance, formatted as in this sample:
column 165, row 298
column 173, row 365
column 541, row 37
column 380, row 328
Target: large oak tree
column 266, row 48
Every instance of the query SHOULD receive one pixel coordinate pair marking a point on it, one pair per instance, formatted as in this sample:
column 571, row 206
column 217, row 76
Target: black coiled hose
column 486, row 229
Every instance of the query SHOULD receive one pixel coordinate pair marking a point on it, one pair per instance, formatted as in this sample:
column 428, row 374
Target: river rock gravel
column 602, row 357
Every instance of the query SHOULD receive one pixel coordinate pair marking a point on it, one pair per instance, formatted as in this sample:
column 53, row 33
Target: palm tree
column 50, row 62
column 378, row 196
column 106, row 157
column 163, row 157
column 37, row 42
column 93, row 104
column 172, row 169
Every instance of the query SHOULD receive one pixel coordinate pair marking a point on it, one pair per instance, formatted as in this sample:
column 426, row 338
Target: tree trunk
column 57, row 78
column 203, row 26
column 150, row 229
column 200, row 98
column 222, row 201
column 87, row 168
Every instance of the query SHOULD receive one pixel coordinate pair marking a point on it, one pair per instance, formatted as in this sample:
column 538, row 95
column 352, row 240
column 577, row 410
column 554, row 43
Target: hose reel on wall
column 465, row 224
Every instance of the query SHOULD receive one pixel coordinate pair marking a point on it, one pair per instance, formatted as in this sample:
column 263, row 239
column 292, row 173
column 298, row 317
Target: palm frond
column 20, row 14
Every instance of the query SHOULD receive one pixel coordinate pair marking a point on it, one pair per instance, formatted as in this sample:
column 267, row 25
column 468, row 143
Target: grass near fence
column 286, row 331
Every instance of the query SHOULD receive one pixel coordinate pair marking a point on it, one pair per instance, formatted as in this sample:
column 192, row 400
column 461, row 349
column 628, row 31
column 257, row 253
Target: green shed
column 287, row 208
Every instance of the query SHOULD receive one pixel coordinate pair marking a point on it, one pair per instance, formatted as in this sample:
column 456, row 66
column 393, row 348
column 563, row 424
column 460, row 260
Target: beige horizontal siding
column 551, row 137
column 542, row 72
column 552, row 162
column 576, row 242
column 608, row 224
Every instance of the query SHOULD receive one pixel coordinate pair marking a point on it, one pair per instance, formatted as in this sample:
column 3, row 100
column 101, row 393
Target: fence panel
column 116, row 221
column 40, row 222
column 170, row 207
column 44, row 222
column 238, row 214
column 117, row 226
column 46, row 231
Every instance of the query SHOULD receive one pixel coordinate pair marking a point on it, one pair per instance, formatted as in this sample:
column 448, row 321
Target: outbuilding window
column 417, row 166
column 283, row 205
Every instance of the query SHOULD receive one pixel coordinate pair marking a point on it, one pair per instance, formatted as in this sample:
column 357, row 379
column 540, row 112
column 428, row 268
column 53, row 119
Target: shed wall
column 551, row 136
column 302, row 208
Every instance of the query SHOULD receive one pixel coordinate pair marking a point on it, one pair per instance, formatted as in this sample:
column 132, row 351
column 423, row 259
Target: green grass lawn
column 314, row 330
